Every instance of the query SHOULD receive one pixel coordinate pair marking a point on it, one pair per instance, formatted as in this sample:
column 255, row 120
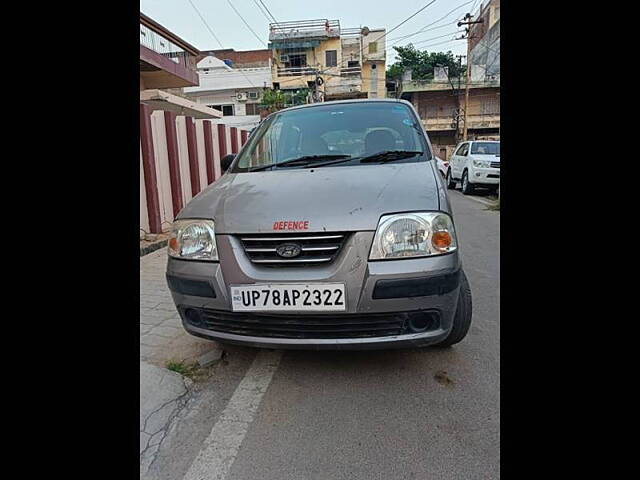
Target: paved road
column 356, row 415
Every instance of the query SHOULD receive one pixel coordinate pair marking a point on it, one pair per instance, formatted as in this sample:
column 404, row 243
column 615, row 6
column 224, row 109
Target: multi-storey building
column 233, row 90
column 440, row 102
column 343, row 63
column 167, row 64
column 440, row 106
column 485, row 42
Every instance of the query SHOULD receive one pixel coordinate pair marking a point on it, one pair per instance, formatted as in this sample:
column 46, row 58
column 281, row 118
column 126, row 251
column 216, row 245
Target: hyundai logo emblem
column 288, row 250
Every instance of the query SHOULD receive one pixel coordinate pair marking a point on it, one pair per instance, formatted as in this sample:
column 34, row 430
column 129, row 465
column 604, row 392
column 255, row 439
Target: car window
column 485, row 148
column 460, row 149
column 353, row 129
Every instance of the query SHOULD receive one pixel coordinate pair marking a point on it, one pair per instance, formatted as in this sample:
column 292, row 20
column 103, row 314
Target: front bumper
column 378, row 288
column 484, row 176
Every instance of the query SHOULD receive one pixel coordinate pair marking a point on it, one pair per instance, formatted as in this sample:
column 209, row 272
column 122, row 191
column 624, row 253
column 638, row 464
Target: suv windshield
column 485, row 148
column 336, row 135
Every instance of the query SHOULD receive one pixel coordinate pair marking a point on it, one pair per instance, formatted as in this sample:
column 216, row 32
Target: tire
column 467, row 188
column 462, row 318
column 451, row 183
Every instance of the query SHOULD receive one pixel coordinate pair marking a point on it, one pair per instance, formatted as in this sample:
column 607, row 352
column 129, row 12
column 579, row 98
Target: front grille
column 495, row 164
column 316, row 248
column 298, row 325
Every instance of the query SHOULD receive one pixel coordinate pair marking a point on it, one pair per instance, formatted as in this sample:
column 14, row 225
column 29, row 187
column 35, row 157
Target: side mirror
column 226, row 161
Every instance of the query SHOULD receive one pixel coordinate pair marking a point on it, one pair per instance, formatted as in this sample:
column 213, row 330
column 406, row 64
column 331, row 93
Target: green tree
column 273, row 100
column 422, row 63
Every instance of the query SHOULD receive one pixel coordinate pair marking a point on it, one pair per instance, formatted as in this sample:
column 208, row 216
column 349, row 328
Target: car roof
column 342, row 102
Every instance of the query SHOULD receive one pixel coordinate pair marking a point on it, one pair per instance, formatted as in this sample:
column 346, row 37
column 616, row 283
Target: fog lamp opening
column 193, row 317
column 422, row 321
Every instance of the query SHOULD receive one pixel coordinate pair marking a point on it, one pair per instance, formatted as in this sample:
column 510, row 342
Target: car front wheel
column 462, row 318
column 467, row 188
column 451, row 184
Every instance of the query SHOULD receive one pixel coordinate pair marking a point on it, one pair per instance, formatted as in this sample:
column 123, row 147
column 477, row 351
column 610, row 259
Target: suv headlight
column 193, row 240
column 420, row 234
column 481, row 163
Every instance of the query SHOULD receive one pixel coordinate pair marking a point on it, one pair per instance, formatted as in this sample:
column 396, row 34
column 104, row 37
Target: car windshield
column 485, row 148
column 335, row 135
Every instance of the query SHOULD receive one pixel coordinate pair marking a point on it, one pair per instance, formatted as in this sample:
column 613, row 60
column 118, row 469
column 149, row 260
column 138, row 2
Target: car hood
column 348, row 198
column 491, row 158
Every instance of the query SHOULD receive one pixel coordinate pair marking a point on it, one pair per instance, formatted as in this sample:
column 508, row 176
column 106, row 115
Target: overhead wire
column 434, row 22
column 246, row 23
column 205, row 23
column 341, row 64
column 215, row 36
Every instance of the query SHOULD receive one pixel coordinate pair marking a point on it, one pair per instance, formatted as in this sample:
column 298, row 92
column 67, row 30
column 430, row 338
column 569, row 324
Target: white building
column 236, row 92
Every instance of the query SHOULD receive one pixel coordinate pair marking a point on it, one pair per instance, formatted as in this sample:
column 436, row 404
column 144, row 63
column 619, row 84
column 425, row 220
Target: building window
column 253, row 95
column 227, row 110
column 252, row 109
column 373, row 47
column 331, row 58
column 298, row 60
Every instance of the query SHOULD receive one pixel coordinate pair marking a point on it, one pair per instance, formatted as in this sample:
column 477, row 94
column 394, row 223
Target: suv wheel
column 451, row 183
column 462, row 318
column 467, row 188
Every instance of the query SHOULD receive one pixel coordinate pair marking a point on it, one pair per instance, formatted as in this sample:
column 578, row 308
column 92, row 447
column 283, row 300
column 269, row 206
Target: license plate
column 297, row 297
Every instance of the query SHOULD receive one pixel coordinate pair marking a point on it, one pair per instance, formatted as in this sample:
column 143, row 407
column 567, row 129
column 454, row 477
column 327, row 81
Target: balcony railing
column 343, row 88
column 350, row 71
column 296, row 71
column 165, row 47
column 304, row 28
column 484, row 120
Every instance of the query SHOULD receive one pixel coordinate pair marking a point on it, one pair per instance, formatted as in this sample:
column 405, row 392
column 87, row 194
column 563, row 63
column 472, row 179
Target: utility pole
column 468, row 22
column 456, row 94
column 317, row 94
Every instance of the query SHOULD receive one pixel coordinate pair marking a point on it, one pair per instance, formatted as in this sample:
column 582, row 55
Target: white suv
column 475, row 164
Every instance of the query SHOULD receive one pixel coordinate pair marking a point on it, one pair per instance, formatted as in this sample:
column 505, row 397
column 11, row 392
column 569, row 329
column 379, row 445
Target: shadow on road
column 360, row 361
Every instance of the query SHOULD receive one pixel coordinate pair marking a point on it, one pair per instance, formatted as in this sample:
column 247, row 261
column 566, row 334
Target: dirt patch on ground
column 152, row 242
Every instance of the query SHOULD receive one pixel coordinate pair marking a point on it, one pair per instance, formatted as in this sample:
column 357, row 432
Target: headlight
column 481, row 163
column 193, row 239
column 413, row 235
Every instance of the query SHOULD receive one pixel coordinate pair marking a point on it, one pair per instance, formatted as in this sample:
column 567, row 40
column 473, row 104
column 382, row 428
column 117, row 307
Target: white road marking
column 221, row 446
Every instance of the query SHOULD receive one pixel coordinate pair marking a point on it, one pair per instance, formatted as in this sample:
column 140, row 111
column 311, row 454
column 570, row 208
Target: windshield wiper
column 306, row 160
column 310, row 159
column 389, row 156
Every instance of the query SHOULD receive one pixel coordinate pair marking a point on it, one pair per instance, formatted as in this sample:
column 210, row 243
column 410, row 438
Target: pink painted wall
column 162, row 164
column 162, row 169
column 202, row 159
column 144, row 215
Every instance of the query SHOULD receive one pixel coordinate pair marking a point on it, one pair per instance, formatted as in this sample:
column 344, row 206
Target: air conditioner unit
column 284, row 58
column 242, row 97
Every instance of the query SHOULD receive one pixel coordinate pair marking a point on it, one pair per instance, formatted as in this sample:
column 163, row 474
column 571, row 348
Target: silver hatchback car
column 331, row 229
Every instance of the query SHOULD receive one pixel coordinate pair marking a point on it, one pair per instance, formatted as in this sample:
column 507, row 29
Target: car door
column 456, row 161
column 466, row 158
column 453, row 159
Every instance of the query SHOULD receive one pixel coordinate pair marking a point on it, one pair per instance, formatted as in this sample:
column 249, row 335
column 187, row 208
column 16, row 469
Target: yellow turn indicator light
column 441, row 240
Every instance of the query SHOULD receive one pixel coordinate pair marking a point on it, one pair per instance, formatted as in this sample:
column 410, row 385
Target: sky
column 180, row 17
